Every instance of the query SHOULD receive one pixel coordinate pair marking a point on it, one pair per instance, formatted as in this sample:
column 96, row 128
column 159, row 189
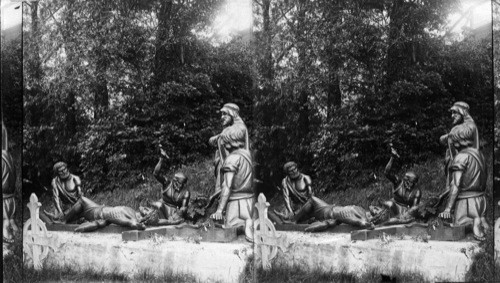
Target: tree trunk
column 267, row 62
column 162, row 54
column 70, row 122
column 303, row 100
column 101, row 95
column 395, row 48
column 36, row 67
column 334, row 99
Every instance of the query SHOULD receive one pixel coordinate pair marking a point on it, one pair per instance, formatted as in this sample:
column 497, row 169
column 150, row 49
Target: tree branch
column 283, row 53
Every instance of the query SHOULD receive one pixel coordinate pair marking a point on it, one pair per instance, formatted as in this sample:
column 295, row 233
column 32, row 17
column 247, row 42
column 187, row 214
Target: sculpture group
column 463, row 201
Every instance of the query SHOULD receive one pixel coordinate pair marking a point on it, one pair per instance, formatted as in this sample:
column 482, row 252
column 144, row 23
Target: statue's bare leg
column 306, row 211
column 91, row 226
column 74, row 212
column 321, row 225
column 9, row 207
column 396, row 221
column 14, row 225
column 46, row 217
column 274, row 217
column 279, row 217
column 484, row 223
column 7, row 235
column 476, row 228
column 165, row 222
column 363, row 223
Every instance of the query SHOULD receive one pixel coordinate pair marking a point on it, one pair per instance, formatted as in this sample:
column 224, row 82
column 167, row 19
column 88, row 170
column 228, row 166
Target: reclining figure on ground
column 100, row 216
column 419, row 214
column 328, row 215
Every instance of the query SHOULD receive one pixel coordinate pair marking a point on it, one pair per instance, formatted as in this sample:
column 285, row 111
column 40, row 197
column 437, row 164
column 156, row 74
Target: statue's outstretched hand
column 217, row 215
column 446, row 214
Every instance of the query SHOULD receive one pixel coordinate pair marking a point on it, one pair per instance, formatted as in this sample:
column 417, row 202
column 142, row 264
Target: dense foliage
column 326, row 83
column 107, row 83
column 12, row 90
column 347, row 79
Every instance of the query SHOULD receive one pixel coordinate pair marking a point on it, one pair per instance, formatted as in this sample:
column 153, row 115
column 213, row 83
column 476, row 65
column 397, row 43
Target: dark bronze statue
column 237, row 195
column 66, row 187
column 8, row 190
column 466, row 200
column 420, row 214
column 405, row 196
column 175, row 197
column 100, row 216
column 230, row 119
column 328, row 215
column 296, row 187
column 460, row 116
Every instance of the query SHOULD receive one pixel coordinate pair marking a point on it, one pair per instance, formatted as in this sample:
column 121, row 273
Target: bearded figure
column 230, row 119
column 66, row 187
column 405, row 195
column 174, row 194
column 461, row 117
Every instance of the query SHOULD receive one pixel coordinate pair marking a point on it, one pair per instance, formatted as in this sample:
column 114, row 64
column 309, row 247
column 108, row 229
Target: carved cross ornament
column 36, row 240
column 266, row 241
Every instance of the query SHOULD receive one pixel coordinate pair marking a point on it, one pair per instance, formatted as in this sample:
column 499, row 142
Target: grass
column 12, row 263
column 282, row 272
column 69, row 274
column 483, row 267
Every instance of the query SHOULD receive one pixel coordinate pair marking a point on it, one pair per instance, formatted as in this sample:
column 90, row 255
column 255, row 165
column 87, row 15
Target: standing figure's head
column 179, row 180
column 410, row 180
column 459, row 111
column 229, row 112
column 233, row 138
column 291, row 170
column 462, row 136
column 61, row 170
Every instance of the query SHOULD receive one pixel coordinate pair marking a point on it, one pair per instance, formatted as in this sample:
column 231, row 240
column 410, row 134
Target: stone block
column 444, row 233
column 136, row 235
column 342, row 228
column 365, row 234
column 217, row 235
column 113, row 229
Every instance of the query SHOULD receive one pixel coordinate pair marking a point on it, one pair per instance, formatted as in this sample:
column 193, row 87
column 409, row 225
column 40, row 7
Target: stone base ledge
column 436, row 261
column 222, row 262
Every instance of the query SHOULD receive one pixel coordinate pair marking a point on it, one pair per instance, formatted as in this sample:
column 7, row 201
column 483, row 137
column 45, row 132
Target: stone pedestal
column 442, row 233
column 436, row 260
column 209, row 262
column 218, row 235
